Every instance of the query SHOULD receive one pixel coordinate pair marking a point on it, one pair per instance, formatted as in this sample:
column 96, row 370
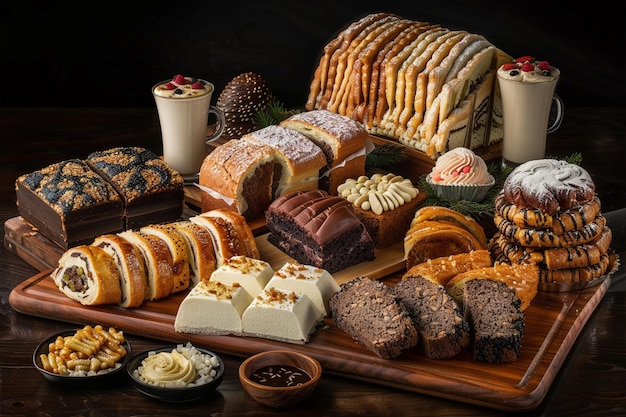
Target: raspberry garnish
column 169, row 86
column 509, row 66
column 528, row 67
column 197, row 86
column 543, row 65
column 525, row 58
column 179, row 79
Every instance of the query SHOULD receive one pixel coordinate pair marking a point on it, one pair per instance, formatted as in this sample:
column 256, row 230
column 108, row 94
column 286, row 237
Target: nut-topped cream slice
column 282, row 315
column 252, row 274
column 213, row 308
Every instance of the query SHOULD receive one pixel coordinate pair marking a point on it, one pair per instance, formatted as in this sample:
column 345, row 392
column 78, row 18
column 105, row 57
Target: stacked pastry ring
column 548, row 214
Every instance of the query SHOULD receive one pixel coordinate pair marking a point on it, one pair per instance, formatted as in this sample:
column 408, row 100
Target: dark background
column 97, row 54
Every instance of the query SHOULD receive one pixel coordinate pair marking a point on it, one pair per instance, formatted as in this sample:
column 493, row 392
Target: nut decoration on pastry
column 241, row 99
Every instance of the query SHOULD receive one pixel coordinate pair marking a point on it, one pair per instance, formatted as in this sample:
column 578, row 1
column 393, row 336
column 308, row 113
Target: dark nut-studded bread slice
column 442, row 329
column 371, row 314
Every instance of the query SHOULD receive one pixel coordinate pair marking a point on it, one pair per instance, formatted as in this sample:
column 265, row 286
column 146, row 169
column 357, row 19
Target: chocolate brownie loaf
column 320, row 230
column 442, row 329
column 493, row 311
column 151, row 189
column 369, row 311
column 69, row 203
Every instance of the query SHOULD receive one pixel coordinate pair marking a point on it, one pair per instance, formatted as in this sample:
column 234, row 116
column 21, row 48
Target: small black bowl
column 102, row 377
column 167, row 394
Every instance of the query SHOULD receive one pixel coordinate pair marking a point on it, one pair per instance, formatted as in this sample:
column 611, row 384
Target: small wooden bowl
column 279, row 361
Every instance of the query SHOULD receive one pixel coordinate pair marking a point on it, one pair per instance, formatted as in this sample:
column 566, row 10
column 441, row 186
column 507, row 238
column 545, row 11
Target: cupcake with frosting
column 460, row 174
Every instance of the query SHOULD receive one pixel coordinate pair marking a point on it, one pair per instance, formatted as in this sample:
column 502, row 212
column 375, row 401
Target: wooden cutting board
column 553, row 322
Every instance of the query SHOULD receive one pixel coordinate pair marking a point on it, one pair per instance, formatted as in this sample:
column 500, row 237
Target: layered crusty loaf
column 298, row 160
column 89, row 275
column 318, row 229
column 493, row 311
column 342, row 140
column 238, row 176
column 442, row 329
column 429, row 87
column 370, row 313
column 133, row 280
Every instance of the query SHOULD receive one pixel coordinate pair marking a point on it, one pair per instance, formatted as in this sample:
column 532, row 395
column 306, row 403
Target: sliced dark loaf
column 370, row 313
column 493, row 311
column 442, row 329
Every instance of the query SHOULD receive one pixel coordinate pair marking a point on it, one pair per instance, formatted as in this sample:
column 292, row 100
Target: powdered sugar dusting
column 343, row 127
column 549, row 185
column 294, row 145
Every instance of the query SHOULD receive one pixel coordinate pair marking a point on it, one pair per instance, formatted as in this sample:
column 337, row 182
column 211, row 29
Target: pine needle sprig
column 384, row 156
column 272, row 114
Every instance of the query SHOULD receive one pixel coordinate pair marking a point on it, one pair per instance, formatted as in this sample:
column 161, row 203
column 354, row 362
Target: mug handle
column 560, row 112
column 221, row 124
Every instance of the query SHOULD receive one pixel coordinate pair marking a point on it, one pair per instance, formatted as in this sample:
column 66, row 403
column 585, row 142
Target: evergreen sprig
column 384, row 156
column 272, row 114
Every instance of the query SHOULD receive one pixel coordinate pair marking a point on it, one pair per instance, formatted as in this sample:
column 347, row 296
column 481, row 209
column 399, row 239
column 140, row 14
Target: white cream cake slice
column 317, row 283
column 252, row 274
column 286, row 316
column 213, row 308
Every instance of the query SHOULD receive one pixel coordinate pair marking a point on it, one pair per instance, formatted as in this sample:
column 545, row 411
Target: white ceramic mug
column 184, row 123
column 526, row 122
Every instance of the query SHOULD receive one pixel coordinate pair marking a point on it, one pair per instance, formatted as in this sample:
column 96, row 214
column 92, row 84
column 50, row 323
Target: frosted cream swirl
column 460, row 166
column 165, row 367
column 379, row 193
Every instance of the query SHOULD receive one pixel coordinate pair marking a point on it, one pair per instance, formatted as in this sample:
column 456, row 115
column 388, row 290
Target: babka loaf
column 69, row 203
column 298, row 159
column 342, row 140
column 238, row 176
column 89, row 275
column 317, row 229
column 152, row 191
column 202, row 262
column 429, row 87
column 442, row 329
column 493, row 311
column 369, row 312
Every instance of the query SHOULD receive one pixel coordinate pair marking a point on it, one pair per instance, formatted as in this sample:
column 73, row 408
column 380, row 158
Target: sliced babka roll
column 130, row 263
column 200, row 249
column 89, row 275
column 158, row 262
column 177, row 246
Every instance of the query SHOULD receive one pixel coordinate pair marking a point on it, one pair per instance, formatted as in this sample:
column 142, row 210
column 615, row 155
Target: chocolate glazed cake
column 317, row 229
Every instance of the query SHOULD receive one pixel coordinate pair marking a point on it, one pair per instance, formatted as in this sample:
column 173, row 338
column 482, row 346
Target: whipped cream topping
column 183, row 87
column 460, row 166
column 164, row 367
column 528, row 70
column 379, row 193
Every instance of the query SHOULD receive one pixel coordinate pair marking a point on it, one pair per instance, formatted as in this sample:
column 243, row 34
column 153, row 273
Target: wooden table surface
column 591, row 381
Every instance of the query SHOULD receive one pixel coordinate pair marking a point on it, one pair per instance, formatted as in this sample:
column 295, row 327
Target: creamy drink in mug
column 184, row 106
column 527, row 90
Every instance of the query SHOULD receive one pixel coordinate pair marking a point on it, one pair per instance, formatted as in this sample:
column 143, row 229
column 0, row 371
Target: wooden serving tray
column 553, row 322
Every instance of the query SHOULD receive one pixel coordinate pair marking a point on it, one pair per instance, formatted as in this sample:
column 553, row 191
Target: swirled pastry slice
column 177, row 246
column 446, row 215
column 443, row 269
column 200, row 248
column 571, row 219
column 130, row 264
column 158, row 262
column 541, row 238
column 89, row 275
